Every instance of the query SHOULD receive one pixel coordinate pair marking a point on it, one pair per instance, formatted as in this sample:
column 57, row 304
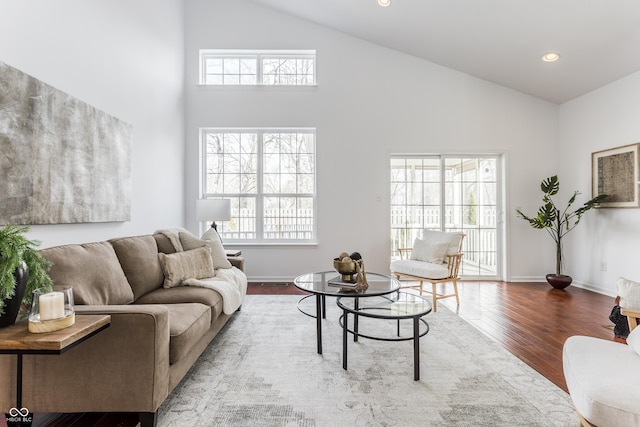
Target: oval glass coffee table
column 398, row 306
column 317, row 284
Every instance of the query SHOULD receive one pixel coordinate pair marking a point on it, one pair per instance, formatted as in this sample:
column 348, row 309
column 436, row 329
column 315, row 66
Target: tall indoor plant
column 22, row 270
column 558, row 223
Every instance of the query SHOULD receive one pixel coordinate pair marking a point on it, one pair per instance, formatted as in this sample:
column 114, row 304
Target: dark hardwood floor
column 531, row 320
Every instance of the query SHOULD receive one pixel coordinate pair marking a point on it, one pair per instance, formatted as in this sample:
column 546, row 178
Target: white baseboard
column 588, row 286
column 517, row 279
column 262, row 279
column 594, row 288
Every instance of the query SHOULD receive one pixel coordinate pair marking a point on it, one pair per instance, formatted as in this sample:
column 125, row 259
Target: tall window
column 269, row 176
column 448, row 193
column 261, row 67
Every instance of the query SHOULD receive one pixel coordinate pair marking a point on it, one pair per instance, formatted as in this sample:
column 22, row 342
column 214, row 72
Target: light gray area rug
column 263, row 370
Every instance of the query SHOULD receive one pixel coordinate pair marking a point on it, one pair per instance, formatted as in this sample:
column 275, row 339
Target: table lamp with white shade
column 213, row 210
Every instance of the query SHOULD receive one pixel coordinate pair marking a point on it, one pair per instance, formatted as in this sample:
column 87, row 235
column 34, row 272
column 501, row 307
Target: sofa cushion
column 164, row 244
column 187, row 324
column 93, row 270
column 182, row 294
column 139, row 259
column 193, row 264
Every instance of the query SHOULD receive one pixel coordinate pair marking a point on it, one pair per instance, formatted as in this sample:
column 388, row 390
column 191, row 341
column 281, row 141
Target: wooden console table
column 17, row 339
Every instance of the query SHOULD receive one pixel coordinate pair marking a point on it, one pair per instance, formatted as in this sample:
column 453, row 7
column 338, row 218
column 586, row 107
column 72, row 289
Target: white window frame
column 259, row 195
column 469, row 244
column 259, row 56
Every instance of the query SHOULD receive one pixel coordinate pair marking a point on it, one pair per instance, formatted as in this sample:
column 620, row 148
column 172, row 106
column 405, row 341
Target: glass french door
column 450, row 193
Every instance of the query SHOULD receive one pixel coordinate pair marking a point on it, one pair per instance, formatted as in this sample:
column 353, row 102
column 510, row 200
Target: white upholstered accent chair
column 603, row 377
column 435, row 258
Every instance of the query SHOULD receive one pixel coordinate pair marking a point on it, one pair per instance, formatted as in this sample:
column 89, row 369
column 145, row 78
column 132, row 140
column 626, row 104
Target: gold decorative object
column 347, row 268
column 350, row 265
column 361, row 280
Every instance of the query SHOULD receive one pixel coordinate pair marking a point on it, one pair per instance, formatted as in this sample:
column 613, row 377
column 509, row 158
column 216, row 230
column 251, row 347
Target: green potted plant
column 22, row 270
column 558, row 223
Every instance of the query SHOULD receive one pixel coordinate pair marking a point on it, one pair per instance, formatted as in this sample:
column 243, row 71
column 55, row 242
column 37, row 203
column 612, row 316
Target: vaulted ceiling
column 501, row 41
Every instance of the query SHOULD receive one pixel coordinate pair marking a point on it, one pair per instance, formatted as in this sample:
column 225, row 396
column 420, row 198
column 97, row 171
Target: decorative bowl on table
column 347, row 269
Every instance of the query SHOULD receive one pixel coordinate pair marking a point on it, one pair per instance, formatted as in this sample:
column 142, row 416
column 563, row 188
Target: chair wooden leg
column 420, row 287
column 434, row 296
column 455, row 289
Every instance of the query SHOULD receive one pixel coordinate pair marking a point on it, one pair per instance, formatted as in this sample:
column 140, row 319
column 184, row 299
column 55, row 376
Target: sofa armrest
column 124, row 368
column 237, row 262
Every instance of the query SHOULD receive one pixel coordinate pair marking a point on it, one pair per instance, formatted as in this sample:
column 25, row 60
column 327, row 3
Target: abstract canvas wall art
column 61, row 160
column 615, row 173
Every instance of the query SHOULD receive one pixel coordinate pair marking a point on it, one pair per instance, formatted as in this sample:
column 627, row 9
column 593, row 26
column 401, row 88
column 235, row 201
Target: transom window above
column 258, row 67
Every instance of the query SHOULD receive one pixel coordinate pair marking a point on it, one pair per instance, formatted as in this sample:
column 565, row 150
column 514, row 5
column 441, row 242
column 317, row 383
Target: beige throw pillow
column 426, row 251
column 189, row 241
column 218, row 254
column 179, row 266
column 629, row 292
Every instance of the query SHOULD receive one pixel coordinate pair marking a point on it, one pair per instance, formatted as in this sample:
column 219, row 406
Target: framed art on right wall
column 615, row 173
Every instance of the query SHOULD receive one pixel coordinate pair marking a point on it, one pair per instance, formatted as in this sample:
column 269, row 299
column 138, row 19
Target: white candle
column 51, row 305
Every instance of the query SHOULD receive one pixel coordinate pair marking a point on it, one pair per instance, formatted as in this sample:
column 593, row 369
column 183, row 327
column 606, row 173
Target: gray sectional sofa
column 158, row 329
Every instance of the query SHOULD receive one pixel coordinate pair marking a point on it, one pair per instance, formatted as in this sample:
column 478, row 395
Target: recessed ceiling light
column 384, row 3
column 550, row 57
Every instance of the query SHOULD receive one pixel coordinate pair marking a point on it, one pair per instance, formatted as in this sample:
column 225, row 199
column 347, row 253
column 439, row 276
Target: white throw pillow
column 426, row 251
column 633, row 340
column 218, row 255
column 451, row 238
column 629, row 292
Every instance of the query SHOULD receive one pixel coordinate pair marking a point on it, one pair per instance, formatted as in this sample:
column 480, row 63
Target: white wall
column 370, row 102
column 605, row 118
column 125, row 58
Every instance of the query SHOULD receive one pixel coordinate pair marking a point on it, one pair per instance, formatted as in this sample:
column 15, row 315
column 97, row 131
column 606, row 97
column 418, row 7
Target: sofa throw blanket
column 231, row 283
column 173, row 234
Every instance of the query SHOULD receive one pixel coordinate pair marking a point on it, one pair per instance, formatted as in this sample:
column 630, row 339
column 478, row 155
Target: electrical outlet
column 603, row 266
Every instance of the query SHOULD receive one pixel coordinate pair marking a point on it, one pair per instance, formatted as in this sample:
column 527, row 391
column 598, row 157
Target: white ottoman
column 603, row 378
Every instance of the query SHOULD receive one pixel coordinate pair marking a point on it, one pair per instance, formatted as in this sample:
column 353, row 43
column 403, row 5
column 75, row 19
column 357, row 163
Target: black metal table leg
column 356, row 307
column 344, row 339
column 324, row 307
column 416, row 349
column 319, row 299
column 19, row 382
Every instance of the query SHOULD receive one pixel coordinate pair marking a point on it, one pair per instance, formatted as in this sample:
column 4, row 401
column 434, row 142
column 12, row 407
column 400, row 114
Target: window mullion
column 259, row 70
column 260, row 189
column 443, row 193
